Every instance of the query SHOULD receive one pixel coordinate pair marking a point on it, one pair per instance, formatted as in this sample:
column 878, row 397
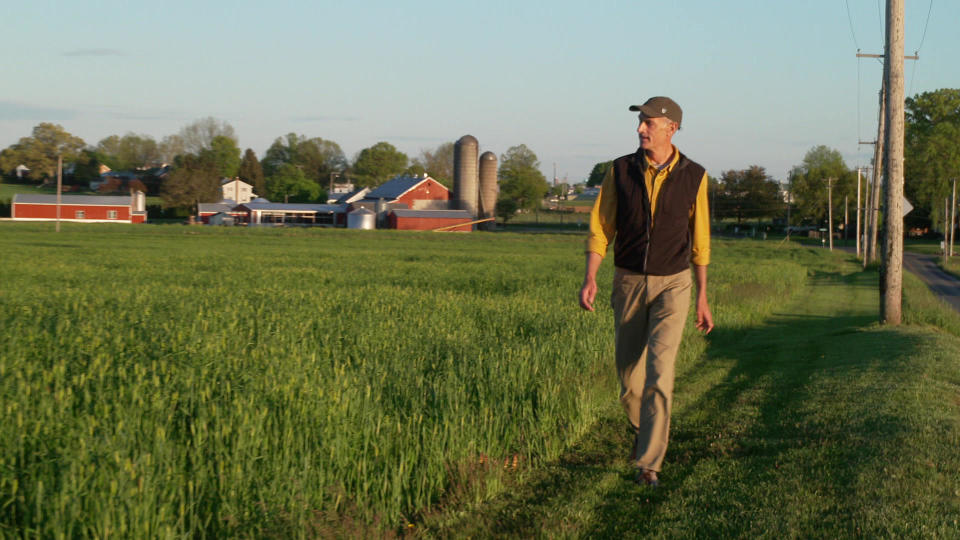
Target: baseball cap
column 658, row 106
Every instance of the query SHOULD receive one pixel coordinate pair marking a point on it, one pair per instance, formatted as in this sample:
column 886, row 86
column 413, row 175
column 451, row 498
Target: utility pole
column 59, row 187
column 953, row 215
column 846, row 218
column 830, row 211
column 891, row 267
column 857, row 240
column 873, row 197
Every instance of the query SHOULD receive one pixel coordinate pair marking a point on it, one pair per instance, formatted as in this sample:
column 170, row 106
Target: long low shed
column 79, row 208
column 428, row 220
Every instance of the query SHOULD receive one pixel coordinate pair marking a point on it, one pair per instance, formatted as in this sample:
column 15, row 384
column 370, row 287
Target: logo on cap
column 664, row 111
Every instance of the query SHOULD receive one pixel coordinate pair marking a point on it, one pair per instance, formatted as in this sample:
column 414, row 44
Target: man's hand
column 704, row 317
column 588, row 293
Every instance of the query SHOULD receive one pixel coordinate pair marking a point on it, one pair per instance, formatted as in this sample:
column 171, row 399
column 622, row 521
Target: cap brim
column 647, row 111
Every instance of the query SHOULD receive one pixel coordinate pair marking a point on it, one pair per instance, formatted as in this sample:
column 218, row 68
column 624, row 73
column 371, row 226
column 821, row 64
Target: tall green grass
column 172, row 381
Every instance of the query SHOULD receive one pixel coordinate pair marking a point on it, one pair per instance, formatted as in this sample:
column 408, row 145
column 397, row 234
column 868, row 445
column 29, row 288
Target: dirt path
column 941, row 283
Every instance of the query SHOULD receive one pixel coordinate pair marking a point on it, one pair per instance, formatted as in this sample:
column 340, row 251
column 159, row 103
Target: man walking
column 653, row 207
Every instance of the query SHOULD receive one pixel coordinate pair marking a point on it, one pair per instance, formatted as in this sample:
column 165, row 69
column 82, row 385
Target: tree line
column 295, row 168
column 931, row 163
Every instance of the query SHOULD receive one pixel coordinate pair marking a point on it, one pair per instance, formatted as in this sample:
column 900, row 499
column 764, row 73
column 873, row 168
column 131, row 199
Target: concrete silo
column 465, row 173
column 488, row 189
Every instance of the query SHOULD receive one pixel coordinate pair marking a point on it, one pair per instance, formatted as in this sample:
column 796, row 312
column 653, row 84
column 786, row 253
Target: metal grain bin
column 465, row 173
column 362, row 218
column 488, row 189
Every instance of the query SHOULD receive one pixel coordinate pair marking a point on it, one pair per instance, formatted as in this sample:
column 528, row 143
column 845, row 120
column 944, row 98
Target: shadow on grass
column 774, row 405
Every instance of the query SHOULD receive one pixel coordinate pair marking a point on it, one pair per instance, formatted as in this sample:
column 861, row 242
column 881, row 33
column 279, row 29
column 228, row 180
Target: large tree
column 932, row 150
column 129, row 152
column 199, row 135
column 598, row 172
column 377, row 164
column 193, row 180
column 289, row 184
column 224, row 155
column 251, row 172
column 747, row 193
column 438, row 163
column 521, row 179
column 808, row 183
column 39, row 152
column 318, row 158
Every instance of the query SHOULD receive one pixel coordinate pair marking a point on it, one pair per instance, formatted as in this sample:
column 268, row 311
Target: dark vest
column 663, row 249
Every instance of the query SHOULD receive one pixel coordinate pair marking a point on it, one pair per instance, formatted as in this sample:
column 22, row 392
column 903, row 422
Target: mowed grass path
column 815, row 423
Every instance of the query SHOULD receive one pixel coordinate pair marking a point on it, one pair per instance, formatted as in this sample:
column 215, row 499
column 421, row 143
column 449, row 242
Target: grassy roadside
column 814, row 423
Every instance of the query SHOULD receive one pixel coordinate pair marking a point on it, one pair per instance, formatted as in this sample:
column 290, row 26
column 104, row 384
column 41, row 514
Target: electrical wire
column 850, row 20
column 925, row 25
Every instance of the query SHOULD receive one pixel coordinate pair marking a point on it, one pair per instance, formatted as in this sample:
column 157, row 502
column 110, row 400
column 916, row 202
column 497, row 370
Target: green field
column 170, row 381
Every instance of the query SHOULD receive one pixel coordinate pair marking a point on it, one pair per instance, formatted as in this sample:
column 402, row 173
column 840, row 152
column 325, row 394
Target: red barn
column 428, row 220
column 417, row 193
column 80, row 208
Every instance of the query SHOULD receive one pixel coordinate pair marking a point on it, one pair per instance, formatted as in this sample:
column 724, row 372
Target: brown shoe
column 647, row 477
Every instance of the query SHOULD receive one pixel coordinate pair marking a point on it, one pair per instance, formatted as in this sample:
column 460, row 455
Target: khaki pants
column 649, row 315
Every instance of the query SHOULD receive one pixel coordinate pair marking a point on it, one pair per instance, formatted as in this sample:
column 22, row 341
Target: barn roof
column 85, row 200
column 395, row 188
column 442, row 214
column 215, row 207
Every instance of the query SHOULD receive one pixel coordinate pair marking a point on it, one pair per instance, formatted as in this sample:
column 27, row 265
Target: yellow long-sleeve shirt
column 603, row 217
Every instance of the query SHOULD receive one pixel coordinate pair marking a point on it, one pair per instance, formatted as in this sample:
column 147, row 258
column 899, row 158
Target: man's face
column 655, row 133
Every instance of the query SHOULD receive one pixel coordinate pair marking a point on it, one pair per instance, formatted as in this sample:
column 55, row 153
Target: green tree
column 808, row 183
column 251, row 172
column 193, row 180
column 87, row 167
column 39, row 152
column 932, row 150
column 438, row 163
column 129, row 152
column 289, row 184
column 224, row 155
column 170, row 147
column 377, row 164
column 506, row 209
column 747, row 193
column 317, row 158
column 598, row 172
column 199, row 135
column 521, row 179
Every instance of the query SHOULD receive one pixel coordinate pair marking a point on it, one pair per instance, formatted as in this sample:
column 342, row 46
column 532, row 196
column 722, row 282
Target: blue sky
column 760, row 82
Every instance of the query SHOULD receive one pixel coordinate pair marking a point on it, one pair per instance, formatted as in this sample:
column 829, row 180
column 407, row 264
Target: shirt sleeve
column 700, row 223
column 603, row 217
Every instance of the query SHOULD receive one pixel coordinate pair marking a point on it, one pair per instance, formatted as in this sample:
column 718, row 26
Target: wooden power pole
column 830, row 212
column 59, row 187
column 891, row 267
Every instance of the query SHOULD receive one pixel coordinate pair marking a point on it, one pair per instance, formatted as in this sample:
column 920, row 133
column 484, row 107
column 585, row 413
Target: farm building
column 428, row 220
column 206, row 210
column 80, row 208
column 257, row 213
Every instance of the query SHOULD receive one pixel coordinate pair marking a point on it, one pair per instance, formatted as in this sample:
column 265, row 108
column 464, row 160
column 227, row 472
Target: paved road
column 941, row 283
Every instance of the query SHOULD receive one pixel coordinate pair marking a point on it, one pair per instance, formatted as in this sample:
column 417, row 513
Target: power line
column 850, row 20
column 924, row 36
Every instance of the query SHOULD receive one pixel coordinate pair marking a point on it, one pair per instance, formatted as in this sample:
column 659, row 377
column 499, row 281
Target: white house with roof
column 237, row 190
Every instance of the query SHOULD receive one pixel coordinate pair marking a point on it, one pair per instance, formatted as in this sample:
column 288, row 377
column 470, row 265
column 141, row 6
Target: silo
column 465, row 173
column 362, row 218
column 488, row 189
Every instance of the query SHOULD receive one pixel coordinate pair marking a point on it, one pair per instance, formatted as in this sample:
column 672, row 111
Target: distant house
column 349, row 197
column 80, row 208
column 237, row 190
column 22, row 171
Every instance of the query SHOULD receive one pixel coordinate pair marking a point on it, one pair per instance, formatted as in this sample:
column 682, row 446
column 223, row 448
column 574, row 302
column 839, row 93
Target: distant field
column 165, row 380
